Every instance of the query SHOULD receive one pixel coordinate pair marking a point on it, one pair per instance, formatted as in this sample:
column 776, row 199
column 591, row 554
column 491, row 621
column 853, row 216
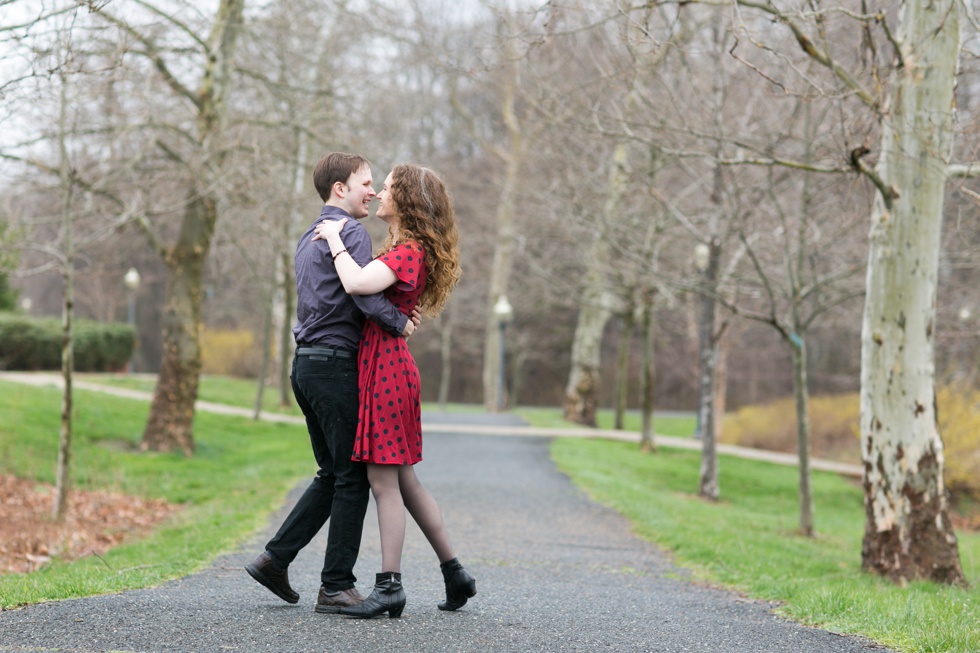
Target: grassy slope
column 241, row 472
column 243, row 469
column 749, row 541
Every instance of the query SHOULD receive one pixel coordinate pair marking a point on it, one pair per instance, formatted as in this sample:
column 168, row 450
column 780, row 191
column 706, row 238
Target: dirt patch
column 967, row 523
column 95, row 522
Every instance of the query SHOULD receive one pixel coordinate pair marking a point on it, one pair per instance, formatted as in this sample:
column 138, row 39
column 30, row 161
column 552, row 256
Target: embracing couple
column 358, row 385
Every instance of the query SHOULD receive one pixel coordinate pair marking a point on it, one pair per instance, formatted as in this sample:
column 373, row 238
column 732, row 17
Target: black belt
column 336, row 352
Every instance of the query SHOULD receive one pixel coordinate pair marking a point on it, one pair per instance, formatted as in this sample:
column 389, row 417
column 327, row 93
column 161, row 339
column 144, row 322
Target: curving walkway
column 555, row 571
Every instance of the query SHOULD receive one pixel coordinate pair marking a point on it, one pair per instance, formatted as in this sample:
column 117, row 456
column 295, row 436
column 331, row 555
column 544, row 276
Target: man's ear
column 338, row 189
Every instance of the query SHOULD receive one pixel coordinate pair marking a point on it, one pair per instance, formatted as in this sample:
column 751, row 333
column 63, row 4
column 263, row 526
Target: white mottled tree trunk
column 596, row 307
column 907, row 531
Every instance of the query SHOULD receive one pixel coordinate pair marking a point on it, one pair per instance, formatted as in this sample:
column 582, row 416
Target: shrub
column 834, row 432
column 230, row 352
column 35, row 344
column 959, row 424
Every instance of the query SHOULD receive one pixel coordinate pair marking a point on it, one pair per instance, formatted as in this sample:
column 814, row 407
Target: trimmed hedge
column 35, row 344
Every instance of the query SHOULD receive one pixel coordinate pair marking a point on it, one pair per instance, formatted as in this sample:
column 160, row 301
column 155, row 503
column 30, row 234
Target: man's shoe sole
column 327, row 609
column 264, row 582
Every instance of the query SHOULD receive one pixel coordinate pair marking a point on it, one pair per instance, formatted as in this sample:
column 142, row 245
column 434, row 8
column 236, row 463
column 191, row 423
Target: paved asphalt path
column 555, row 572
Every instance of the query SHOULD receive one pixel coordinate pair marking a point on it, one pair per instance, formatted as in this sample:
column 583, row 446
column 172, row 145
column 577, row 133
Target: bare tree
column 68, row 92
column 513, row 155
column 598, row 302
column 199, row 151
column 908, row 532
column 807, row 274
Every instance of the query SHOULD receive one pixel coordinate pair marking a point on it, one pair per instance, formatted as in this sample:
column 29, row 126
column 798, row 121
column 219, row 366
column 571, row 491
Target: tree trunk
column 288, row 308
column 286, row 339
column 63, row 476
column 170, row 424
column 503, row 264
column 581, row 392
column 516, row 375
column 169, row 427
column 647, row 442
column 506, row 242
column 801, row 393
column 595, row 309
column 708, row 486
column 267, row 329
column 622, row 370
column 63, row 469
column 908, row 534
column 446, row 357
column 708, row 340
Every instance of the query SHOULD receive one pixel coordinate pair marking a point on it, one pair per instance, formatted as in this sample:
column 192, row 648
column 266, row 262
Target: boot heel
column 388, row 596
column 460, row 585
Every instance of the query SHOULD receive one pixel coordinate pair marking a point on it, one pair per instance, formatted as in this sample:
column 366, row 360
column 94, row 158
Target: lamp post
column 964, row 316
column 702, row 254
column 504, row 313
column 132, row 283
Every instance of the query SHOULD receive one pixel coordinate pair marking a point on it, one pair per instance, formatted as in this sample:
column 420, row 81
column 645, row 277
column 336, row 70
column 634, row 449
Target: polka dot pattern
column 389, row 428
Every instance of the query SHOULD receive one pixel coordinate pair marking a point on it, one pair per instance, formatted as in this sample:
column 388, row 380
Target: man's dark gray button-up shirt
column 326, row 315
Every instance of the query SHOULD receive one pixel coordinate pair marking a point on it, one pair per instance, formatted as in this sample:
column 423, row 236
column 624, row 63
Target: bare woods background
column 592, row 146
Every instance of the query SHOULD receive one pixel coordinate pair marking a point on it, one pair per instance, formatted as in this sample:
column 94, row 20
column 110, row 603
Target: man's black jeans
column 326, row 390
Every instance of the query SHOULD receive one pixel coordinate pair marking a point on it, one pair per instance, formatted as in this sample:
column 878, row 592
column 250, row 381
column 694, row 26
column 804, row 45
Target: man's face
column 359, row 193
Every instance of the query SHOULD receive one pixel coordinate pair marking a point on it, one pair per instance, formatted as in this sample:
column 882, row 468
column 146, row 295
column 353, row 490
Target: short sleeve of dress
column 406, row 261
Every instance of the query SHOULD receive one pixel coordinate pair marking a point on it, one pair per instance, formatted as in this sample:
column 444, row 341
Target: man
column 324, row 380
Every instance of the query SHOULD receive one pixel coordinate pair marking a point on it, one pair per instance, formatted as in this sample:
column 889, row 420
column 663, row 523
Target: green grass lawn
column 240, row 473
column 243, row 469
column 215, row 389
column 749, row 541
column 550, row 417
column 241, row 393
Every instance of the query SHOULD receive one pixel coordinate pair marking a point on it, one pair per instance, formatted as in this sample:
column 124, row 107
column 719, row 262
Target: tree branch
column 785, row 163
column 37, row 19
column 169, row 18
column 127, row 214
column 155, row 58
column 808, row 47
column 823, row 308
column 888, row 193
column 971, row 193
column 764, row 278
column 963, row 170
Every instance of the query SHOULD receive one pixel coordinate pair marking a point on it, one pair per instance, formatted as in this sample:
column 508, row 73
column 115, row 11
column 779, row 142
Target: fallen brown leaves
column 970, row 522
column 95, row 522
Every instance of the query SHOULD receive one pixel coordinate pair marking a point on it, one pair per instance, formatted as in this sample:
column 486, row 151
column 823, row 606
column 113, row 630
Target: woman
column 418, row 266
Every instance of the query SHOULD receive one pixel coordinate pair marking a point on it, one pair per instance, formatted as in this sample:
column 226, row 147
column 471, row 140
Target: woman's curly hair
column 426, row 216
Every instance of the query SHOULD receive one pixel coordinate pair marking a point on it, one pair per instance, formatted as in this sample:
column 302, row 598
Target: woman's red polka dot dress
column 389, row 428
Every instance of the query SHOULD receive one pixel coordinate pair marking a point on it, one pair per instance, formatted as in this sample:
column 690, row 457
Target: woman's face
column 386, row 208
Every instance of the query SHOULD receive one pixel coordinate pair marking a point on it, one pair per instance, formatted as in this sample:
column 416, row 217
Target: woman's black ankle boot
column 388, row 596
column 460, row 585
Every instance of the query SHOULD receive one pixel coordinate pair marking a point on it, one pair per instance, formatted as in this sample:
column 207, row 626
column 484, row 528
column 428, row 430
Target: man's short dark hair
column 334, row 167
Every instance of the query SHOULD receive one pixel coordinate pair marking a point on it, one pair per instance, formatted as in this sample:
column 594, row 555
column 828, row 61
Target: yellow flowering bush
column 229, row 352
column 835, row 434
